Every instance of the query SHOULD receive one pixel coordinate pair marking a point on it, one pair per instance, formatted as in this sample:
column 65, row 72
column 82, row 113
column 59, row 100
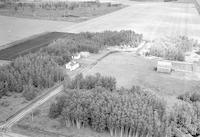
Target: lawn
column 10, row 105
column 129, row 70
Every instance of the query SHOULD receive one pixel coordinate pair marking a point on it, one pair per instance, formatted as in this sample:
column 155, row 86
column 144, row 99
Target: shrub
column 190, row 96
column 173, row 48
column 56, row 107
column 90, row 82
column 30, row 92
column 4, row 103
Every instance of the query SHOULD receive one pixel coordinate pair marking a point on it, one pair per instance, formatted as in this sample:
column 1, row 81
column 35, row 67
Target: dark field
column 28, row 46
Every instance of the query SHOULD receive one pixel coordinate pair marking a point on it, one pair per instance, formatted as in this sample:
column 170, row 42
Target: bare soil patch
column 29, row 45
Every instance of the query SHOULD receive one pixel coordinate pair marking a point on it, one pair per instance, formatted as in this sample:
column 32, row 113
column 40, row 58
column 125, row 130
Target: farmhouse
column 164, row 66
column 72, row 65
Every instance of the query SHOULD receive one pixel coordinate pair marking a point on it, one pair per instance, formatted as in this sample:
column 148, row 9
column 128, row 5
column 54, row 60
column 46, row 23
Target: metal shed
column 164, row 66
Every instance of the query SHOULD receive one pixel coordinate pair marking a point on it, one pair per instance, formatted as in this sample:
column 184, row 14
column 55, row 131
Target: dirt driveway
column 153, row 19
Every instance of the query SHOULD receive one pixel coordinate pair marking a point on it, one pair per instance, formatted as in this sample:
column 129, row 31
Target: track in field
column 30, row 45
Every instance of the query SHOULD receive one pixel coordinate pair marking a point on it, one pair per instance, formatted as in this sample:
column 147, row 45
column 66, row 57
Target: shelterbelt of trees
column 93, row 101
column 33, row 72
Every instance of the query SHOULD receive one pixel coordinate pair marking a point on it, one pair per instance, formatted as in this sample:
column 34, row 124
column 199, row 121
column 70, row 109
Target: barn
column 164, row 66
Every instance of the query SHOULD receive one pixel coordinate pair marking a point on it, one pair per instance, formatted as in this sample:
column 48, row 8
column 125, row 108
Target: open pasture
column 152, row 19
column 129, row 70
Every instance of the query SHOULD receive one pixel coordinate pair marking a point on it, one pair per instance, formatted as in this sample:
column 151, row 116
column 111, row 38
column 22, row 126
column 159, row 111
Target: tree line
column 33, row 72
column 59, row 5
column 89, row 102
column 123, row 112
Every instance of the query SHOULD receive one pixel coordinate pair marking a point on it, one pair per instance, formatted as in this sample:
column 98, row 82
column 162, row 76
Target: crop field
column 152, row 19
column 18, row 28
column 31, row 45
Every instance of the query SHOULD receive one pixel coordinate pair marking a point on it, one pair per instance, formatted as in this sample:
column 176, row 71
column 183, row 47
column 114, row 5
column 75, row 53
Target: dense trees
column 134, row 112
column 29, row 72
column 63, row 48
column 42, row 69
column 124, row 112
column 173, row 48
column 90, row 82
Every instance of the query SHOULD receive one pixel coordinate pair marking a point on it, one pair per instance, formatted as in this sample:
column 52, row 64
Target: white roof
column 164, row 63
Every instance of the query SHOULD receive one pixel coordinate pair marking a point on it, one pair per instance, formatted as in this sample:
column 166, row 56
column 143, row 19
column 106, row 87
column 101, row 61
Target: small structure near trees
column 77, row 56
column 72, row 65
column 164, row 66
column 84, row 54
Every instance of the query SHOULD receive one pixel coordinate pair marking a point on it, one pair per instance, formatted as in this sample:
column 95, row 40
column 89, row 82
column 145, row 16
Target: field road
column 31, row 107
column 152, row 19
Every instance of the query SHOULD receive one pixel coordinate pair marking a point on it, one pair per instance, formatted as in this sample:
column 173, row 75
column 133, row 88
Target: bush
column 30, row 92
column 90, row 82
column 4, row 103
column 190, row 96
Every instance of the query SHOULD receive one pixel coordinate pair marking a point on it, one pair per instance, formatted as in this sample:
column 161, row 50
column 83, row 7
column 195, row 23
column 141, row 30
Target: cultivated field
column 152, row 19
column 27, row 46
column 13, row 29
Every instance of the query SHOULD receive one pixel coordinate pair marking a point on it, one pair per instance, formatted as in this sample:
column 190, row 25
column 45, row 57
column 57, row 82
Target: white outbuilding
column 72, row 65
column 84, row 54
column 77, row 56
column 164, row 66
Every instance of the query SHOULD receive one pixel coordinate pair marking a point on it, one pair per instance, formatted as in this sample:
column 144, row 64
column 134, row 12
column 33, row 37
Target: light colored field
column 153, row 19
column 12, row 29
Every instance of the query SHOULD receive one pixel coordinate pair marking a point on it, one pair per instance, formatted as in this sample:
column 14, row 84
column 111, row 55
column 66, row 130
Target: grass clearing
column 129, row 70
column 10, row 105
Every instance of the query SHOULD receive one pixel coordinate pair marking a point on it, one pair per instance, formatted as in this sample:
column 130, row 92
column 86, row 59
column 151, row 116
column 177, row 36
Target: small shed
column 84, row 54
column 164, row 66
column 72, row 65
column 77, row 56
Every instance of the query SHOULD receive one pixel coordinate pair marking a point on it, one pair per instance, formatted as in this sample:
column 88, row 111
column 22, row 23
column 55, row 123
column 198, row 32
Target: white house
column 72, row 65
column 164, row 66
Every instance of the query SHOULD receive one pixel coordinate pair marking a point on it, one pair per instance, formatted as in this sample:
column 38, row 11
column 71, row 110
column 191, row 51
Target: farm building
column 84, row 54
column 72, row 65
column 164, row 66
column 77, row 56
